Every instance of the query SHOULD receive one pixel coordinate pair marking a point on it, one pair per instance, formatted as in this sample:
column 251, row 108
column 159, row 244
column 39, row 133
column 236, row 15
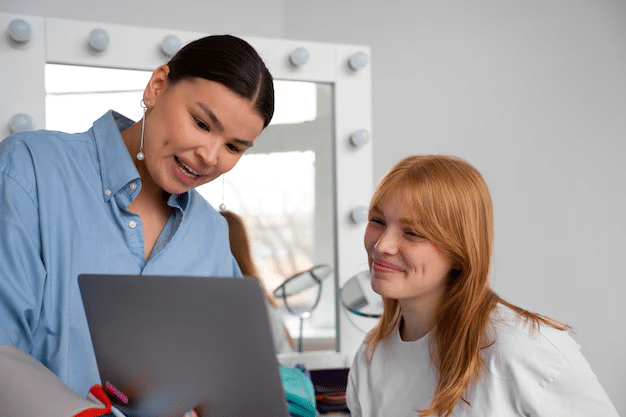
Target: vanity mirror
column 316, row 170
column 358, row 298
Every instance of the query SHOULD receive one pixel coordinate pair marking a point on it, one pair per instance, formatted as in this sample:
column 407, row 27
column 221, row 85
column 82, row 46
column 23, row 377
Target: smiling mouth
column 187, row 170
column 385, row 267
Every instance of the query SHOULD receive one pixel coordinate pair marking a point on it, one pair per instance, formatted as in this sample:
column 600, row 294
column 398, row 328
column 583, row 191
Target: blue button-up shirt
column 63, row 200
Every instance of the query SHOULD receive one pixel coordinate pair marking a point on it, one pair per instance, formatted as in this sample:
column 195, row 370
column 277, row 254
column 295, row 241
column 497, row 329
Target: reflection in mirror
column 282, row 187
column 358, row 297
column 301, row 294
column 301, row 282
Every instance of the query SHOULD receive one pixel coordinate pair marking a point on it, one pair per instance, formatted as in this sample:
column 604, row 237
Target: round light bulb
column 358, row 60
column 359, row 214
column 21, row 122
column 19, row 31
column 170, row 45
column 99, row 39
column 360, row 138
column 299, row 57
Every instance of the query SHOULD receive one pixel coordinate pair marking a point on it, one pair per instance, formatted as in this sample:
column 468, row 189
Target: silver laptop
column 168, row 344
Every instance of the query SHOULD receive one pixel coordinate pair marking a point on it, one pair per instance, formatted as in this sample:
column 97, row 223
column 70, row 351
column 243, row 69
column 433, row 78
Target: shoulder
column 41, row 139
column 39, row 146
column 512, row 333
column 15, row 149
column 17, row 159
column 360, row 363
column 528, row 358
column 360, row 368
column 360, row 358
column 541, row 369
column 199, row 206
column 205, row 217
column 23, row 155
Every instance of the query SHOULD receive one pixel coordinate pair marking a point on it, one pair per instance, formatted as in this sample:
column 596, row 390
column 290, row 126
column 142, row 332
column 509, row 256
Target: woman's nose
column 208, row 151
column 387, row 243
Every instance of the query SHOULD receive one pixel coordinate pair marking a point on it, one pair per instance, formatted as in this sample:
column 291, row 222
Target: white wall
column 241, row 17
column 532, row 92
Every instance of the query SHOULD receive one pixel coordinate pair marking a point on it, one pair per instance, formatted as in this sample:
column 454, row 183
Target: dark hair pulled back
column 230, row 61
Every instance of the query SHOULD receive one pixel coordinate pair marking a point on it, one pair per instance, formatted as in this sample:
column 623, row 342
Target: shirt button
column 132, row 186
column 132, row 224
column 107, row 193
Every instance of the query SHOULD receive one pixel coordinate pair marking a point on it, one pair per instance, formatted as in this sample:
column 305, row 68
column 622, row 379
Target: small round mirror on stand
column 301, row 293
column 358, row 297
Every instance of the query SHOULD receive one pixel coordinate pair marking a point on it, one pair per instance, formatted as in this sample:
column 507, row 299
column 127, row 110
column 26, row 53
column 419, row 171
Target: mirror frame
column 64, row 41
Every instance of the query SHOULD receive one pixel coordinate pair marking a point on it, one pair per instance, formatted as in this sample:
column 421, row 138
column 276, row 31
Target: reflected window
column 76, row 96
column 279, row 218
column 275, row 194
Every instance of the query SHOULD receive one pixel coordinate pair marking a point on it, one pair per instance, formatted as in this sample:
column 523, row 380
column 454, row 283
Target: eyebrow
column 211, row 115
column 207, row 110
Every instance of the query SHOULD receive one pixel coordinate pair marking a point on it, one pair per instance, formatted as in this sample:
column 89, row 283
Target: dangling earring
column 222, row 206
column 144, row 105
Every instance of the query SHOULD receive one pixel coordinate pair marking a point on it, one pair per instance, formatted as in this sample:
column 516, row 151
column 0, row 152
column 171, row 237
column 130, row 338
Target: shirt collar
column 180, row 201
column 116, row 165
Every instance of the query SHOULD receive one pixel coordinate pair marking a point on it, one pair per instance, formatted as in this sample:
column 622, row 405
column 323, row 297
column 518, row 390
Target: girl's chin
column 380, row 287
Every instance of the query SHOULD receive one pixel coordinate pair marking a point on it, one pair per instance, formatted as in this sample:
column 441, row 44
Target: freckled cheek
column 415, row 263
column 369, row 239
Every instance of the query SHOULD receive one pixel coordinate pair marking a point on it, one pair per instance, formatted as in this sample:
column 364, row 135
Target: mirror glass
column 301, row 293
column 358, row 297
column 282, row 187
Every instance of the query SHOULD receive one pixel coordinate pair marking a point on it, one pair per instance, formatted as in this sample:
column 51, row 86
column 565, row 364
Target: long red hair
column 452, row 205
column 241, row 249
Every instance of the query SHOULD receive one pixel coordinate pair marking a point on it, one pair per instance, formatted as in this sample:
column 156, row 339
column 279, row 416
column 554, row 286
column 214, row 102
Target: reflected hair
column 241, row 250
column 230, row 61
column 450, row 201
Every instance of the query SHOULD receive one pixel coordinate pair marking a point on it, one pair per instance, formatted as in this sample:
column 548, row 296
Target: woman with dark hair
column 447, row 344
column 120, row 199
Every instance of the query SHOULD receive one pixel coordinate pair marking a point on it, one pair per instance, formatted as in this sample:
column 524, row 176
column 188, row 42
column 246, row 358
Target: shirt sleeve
column 352, row 396
column 22, row 272
column 575, row 392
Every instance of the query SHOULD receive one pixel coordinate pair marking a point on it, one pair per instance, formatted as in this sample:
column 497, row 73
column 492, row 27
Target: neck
column 417, row 320
column 132, row 139
column 149, row 189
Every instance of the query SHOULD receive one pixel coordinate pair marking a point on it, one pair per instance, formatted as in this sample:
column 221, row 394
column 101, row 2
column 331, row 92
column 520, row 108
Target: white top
column 281, row 344
column 528, row 374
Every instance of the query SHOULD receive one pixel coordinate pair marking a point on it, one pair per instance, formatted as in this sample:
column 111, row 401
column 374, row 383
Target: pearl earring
column 223, row 206
column 144, row 105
